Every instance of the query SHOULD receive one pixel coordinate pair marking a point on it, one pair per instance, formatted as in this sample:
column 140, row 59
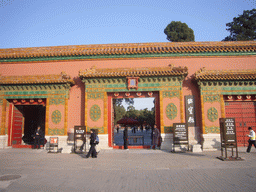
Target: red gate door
column 245, row 116
column 17, row 125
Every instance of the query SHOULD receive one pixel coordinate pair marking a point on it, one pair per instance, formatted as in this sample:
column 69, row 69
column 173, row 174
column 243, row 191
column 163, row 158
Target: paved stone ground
column 126, row 170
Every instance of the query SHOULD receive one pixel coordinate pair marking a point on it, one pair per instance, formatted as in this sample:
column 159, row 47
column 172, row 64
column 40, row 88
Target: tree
column 243, row 27
column 119, row 110
column 119, row 113
column 179, row 32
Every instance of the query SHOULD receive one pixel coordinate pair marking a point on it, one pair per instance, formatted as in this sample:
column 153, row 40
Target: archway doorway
column 139, row 139
column 24, row 117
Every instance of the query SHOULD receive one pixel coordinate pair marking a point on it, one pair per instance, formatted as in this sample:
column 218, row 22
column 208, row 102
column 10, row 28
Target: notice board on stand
column 228, row 139
column 180, row 134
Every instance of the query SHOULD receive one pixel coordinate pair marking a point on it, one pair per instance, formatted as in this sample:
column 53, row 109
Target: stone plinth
column 167, row 141
column 66, row 145
column 211, row 142
column 196, row 148
column 3, row 141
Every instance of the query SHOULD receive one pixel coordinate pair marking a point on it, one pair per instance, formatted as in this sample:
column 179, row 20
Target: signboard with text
column 190, row 110
column 79, row 134
column 180, row 132
column 228, row 130
column 54, row 140
column 228, row 139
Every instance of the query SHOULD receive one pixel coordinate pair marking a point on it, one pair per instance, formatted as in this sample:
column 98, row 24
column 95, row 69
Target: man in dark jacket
column 92, row 151
column 125, row 137
column 37, row 137
column 154, row 136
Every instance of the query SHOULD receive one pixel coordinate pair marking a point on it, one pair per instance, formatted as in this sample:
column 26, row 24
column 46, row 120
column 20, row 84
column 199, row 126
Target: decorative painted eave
column 133, row 72
column 127, row 50
column 226, row 75
column 36, row 79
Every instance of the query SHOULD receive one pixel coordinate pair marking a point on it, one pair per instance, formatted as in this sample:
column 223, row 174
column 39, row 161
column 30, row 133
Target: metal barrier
column 135, row 140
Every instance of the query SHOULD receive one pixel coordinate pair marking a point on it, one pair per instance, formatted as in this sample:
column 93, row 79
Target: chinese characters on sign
column 180, row 135
column 132, row 82
column 190, row 110
column 228, row 130
column 54, row 140
column 228, row 139
column 80, row 134
column 180, row 132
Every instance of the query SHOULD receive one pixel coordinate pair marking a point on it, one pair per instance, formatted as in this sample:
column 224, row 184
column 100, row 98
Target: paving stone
column 121, row 170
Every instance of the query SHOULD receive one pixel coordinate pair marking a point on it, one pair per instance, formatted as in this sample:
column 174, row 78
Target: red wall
column 76, row 105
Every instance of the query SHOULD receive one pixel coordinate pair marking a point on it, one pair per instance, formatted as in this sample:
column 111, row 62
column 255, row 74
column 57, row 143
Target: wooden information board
column 228, row 138
column 228, row 130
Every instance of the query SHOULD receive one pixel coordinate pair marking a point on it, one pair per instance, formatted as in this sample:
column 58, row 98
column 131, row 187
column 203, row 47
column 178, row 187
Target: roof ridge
column 128, row 49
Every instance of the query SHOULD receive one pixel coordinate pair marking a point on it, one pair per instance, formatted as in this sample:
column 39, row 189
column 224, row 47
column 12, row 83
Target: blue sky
column 141, row 103
column 35, row 23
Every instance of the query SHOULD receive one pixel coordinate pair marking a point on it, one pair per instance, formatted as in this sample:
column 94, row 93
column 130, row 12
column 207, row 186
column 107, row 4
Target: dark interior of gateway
column 34, row 116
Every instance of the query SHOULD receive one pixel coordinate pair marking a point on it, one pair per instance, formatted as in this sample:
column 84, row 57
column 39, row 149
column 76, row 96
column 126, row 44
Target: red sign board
column 54, row 140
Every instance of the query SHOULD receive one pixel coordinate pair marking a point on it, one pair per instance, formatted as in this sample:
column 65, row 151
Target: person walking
column 125, row 137
column 92, row 151
column 37, row 137
column 251, row 140
column 154, row 137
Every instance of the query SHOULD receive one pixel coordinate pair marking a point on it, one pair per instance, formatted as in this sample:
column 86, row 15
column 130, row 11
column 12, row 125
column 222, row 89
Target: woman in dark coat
column 125, row 137
column 92, row 151
column 37, row 136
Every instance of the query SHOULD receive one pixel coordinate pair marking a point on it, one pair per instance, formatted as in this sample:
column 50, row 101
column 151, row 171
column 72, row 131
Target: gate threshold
column 133, row 147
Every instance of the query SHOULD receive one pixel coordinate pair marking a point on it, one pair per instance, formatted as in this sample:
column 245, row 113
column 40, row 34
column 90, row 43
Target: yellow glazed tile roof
column 36, row 79
column 129, row 49
column 225, row 74
column 134, row 72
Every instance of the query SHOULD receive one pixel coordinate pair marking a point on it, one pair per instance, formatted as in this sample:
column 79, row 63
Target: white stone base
column 167, row 141
column 211, row 142
column 66, row 145
column 62, row 144
column 196, row 148
column 3, row 141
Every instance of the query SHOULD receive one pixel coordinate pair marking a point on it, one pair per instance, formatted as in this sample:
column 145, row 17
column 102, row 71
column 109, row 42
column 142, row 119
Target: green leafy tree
column 119, row 110
column 243, row 27
column 119, row 113
column 177, row 31
column 147, row 116
column 132, row 112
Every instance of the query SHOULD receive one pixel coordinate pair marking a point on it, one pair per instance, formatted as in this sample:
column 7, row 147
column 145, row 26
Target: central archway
column 102, row 85
column 138, row 94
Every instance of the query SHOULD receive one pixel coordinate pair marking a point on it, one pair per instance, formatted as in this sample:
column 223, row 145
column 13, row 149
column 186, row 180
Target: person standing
column 125, row 137
column 154, row 137
column 117, row 128
column 251, row 140
column 92, row 151
column 37, row 137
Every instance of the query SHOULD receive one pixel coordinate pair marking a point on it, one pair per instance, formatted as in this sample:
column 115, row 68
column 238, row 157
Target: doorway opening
column 24, row 120
column 139, row 111
column 34, row 116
